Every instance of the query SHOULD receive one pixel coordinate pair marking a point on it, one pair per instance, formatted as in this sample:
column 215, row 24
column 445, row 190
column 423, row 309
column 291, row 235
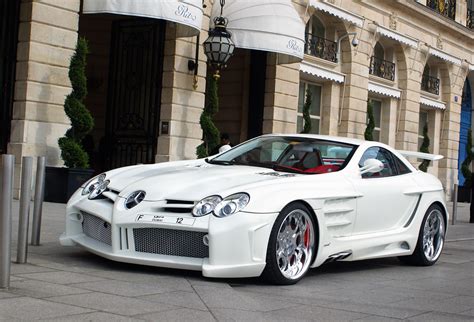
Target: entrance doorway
column 133, row 103
column 258, row 68
column 9, row 13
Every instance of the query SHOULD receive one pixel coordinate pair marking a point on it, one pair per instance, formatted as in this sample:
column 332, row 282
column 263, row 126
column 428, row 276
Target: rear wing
column 421, row 155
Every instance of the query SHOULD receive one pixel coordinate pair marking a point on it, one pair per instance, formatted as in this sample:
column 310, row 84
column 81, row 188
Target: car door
column 383, row 204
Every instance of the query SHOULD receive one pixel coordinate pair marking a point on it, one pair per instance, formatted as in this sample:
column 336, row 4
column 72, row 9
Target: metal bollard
column 38, row 205
column 6, row 195
column 455, row 204
column 24, row 215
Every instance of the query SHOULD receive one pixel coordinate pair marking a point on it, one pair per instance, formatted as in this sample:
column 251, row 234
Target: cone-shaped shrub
column 369, row 130
column 425, row 145
column 82, row 123
column 210, row 133
column 306, row 113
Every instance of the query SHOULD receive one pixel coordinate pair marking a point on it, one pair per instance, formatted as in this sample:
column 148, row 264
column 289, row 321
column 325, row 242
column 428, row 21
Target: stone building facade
column 414, row 61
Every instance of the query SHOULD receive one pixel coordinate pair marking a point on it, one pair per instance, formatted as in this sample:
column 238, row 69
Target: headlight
column 93, row 183
column 206, row 206
column 134, row 199
column 232, row 204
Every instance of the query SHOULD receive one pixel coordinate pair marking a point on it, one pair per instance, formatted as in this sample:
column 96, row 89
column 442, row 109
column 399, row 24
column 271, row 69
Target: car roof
column 323, row 137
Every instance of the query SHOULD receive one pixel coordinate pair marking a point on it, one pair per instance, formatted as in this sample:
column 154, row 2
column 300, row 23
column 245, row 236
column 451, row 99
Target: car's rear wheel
column 291, row 246
column 430, row 239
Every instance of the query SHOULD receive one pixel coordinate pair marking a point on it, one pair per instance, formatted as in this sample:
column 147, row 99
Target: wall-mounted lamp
column 219, row 47
column 193, row 64
column 354, row 43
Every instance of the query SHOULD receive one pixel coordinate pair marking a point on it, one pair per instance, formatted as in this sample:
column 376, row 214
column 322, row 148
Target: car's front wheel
column 430, row 239
column 291, row 246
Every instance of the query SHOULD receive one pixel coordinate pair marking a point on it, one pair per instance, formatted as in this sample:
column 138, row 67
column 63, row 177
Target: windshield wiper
column 279, row 167
column 220, row 162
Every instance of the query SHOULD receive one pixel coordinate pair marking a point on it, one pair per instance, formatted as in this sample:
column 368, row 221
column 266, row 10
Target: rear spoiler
column 421, row 155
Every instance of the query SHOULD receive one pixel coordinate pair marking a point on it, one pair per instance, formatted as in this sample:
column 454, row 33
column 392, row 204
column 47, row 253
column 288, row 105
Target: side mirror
column 371, row 166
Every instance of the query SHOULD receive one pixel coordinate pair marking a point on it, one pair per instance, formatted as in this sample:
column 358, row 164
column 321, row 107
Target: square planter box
column 61, row 183
column 464, row 194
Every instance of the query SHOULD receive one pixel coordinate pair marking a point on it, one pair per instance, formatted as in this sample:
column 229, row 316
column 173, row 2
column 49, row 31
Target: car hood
column 192, row 181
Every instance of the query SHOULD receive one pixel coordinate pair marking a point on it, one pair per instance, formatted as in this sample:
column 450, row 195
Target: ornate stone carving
column 439, row 42
column 393, row 20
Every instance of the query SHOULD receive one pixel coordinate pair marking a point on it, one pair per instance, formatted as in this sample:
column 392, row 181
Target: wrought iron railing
column 430, row 84
column 445, row 7
column 470, row 19
column 382, row 68
column 321, row 47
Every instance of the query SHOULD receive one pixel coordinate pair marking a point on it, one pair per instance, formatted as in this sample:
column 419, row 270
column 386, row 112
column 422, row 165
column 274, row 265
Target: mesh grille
column 170, row 242
column 96, row 228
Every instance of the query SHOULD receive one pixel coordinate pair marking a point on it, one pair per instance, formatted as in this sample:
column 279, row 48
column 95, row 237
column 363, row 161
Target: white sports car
column 274, row 206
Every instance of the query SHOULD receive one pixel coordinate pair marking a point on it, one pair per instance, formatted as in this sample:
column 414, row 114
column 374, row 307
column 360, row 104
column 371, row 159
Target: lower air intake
column 96, row 228
column 170, row 242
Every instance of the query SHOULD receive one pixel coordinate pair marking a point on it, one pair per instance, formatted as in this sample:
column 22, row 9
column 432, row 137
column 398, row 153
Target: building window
column 429, row 83
column 316, row 43
column 315, row 109
column 421, row 123
column 379, row 66
column 377, row 111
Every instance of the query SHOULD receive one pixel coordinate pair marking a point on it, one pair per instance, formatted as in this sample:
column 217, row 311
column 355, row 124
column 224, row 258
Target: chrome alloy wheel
column 294, row 244
column 433, row 235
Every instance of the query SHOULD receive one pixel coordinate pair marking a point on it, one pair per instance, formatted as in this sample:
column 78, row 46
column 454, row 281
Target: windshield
column 289, row 154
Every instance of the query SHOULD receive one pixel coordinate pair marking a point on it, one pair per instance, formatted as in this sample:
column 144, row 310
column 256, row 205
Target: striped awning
column 445, row 56
column 426, row 101
column 397, row 36
column 384, row 90
column 187, row 14
column 321, row 72
column 337, row 12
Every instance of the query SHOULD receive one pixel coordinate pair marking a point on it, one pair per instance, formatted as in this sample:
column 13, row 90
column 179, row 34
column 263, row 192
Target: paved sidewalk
column 70, row 284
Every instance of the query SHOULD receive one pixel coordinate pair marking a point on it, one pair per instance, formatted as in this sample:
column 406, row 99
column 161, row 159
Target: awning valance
column 267, row 25
column 445, row 56
column 337, row 12
column 397, row 36
column 187, row 14
column 384, row 90
column 321, row 72
column 432, row 103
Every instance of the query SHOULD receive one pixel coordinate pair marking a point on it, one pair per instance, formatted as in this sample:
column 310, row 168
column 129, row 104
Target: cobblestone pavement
column 70, row 284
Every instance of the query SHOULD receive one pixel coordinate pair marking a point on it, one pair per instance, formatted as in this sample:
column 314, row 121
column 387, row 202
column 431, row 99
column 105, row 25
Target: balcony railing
column 430, row 84
column 445, row 7
column 470, row 19
column 382, row 68
column 320, row 47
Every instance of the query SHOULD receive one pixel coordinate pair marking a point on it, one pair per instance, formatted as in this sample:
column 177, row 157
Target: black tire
column 419, row 256
column 272, row 272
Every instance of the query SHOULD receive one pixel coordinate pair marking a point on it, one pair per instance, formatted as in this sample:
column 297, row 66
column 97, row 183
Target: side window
column 385, row 157
column 402, row 168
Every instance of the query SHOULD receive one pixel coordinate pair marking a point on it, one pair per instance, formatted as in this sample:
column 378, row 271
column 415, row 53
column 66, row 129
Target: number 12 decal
column 179, row 220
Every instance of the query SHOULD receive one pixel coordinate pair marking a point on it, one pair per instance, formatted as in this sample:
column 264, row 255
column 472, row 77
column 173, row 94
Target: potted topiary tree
column 210, row 133
column 369, row 130
column 306, row 112
column 62, row 182
column 425, row 148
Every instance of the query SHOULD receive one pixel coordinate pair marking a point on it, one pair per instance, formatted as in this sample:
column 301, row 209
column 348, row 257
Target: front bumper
column 237, row 245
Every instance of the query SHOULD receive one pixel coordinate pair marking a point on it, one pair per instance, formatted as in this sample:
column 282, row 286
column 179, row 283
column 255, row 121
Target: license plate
column 165, row 220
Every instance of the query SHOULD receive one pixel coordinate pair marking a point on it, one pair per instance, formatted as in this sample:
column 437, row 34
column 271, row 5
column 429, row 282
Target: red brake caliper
column 306, row 236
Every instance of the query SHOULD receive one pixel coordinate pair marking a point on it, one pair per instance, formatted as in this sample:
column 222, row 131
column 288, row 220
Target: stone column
column 181, row 104
column 355, row 64
column 330, row 108
column 46, row 41
column 281, row 97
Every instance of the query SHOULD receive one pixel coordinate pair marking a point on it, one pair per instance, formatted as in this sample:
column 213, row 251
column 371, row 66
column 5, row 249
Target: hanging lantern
column 219, row 46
